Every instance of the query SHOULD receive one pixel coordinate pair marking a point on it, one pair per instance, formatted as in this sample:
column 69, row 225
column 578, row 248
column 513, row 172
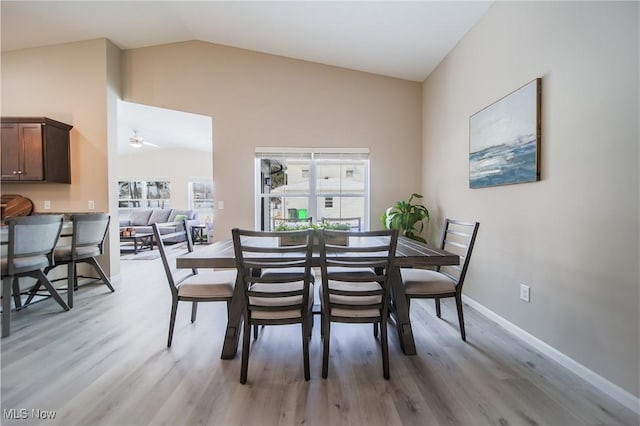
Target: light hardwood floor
column 105, row 363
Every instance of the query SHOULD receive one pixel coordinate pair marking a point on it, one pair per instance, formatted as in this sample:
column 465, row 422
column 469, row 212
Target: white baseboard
column 616, row 392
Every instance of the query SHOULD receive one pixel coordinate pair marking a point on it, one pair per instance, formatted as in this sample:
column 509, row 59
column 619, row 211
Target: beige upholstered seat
column 208, row 284
column 351, row 291
column 191, row 285
column 282, row 295
column 446, row 281
column 30, row 246
column 421, row 282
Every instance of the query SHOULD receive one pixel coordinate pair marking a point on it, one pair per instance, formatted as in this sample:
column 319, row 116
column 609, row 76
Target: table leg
column 234, row 323
column 400, row 314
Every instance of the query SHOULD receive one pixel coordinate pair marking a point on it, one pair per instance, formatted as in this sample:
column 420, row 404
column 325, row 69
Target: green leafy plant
column 300, row 226
column 407, row 217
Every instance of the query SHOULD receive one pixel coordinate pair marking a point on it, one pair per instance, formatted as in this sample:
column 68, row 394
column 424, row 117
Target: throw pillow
column 180, row 218
column 174, row 213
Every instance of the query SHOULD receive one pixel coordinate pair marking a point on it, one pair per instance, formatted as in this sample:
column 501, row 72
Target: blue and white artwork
column 504, row 140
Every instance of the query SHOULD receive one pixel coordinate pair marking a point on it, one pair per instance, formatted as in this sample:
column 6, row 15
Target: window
column 201, row 198
column 315, row 183
column 133, row 194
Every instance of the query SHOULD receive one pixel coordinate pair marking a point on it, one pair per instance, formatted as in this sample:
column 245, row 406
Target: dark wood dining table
column 409, row 253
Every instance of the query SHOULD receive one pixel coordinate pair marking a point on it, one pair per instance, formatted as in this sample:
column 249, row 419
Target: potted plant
column 407, row 217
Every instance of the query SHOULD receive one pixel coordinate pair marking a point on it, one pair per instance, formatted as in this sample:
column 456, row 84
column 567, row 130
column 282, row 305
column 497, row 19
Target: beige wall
column 67, row 83
column 573, row 237
column 263, row 100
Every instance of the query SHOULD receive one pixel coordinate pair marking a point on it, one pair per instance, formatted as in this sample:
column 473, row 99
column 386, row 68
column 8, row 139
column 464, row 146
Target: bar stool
column 32, row 240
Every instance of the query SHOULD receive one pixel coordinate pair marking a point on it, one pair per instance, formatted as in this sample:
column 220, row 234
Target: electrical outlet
column 92, row 205
column 220, row 205
column 524, row 293
column 47, row 204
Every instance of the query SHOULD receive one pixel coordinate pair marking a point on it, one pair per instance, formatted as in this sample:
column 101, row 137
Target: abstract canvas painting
column 504, row 139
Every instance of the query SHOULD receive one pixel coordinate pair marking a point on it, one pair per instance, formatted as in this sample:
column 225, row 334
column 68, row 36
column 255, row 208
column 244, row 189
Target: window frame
column 315, row 156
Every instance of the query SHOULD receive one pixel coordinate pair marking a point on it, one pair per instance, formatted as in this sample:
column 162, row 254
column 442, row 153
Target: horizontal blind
column 309, row 153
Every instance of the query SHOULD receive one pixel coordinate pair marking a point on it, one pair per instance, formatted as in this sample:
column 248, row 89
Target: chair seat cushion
column 209, row 284
column 25, row 264
column 63, row 254
column 278, row 301
column 423, row 282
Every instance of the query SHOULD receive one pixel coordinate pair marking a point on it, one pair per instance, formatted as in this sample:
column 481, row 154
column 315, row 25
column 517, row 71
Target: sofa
column 168, row 220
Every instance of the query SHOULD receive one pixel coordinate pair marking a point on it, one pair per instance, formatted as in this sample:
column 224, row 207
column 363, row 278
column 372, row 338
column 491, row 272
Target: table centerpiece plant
column 301, row 226
column 407, row 217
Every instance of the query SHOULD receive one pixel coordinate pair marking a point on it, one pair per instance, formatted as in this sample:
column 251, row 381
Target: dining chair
column 87, row 242
column 191, row 285
column 31, row 242
column 354, row 223
column 349, row 296
column 445, row 281
column 274, row 299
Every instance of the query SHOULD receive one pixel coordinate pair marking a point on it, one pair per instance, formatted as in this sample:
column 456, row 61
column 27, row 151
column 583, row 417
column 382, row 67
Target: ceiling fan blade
column 151, row 144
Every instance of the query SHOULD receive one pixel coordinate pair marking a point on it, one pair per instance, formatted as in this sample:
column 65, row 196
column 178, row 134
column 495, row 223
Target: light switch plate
column 524, row 293
column 47, row 204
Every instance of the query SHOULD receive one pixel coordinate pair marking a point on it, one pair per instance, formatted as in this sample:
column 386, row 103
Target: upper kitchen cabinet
column 35, row 149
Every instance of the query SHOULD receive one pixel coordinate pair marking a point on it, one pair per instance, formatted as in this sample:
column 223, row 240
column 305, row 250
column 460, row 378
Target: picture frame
column 504, row 139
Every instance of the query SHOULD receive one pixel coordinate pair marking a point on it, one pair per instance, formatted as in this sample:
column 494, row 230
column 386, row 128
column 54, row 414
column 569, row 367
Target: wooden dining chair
column 276, row 298
column 191, row 285
column 31, row 242
column 347, row 295
column 445, row 281
column 87, row 242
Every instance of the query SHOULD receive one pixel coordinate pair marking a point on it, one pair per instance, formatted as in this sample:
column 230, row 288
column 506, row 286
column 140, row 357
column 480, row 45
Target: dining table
column 409, row 254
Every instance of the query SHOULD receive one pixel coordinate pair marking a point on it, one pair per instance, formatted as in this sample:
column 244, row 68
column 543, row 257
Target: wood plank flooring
column 105, row 363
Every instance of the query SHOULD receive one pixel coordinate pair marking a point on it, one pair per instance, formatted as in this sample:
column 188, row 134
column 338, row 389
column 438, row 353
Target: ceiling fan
column 137, row 141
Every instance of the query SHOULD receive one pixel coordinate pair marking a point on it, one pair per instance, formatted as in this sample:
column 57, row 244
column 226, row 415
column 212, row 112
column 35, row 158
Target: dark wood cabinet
column 35, row 149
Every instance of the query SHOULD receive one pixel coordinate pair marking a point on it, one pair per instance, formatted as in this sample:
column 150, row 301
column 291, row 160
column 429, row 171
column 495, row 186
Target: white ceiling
column 403, row 39
column 162, row 127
